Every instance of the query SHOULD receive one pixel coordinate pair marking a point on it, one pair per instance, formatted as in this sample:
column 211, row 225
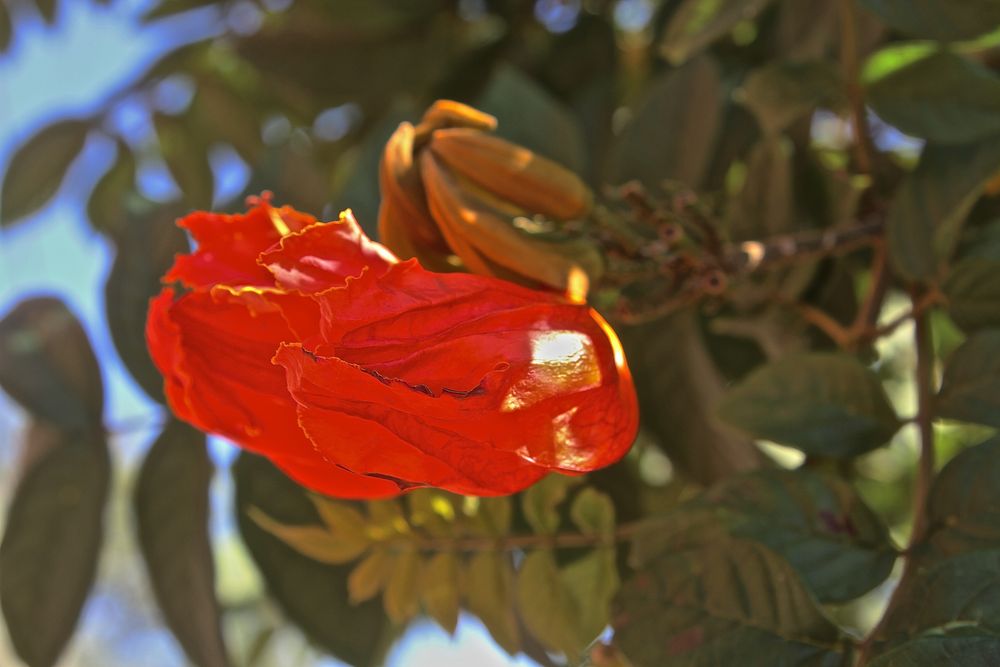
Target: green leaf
column 38, row 166
column 48, row 366
column 973, row 290
column 593, row 512
column 824, row 404
column 674, row 128
column 48, row 557
column 344, row 522
column 938, row 19
column 782, row 92
column 722, row 602
column 438, row 586
column 186, row 156
column 146, row 246
column 106, row 207
column 942, row 97
column 314, row 542
column 931, row 205
column 964, row 503
column 171, row 507
column 528, row 115
column 548, row 610
column 818, row 523
column 402, row 587
column 313, row 596
column 370, row 575
column 229, row 117
column 970, row 389
column 489, row 516
column 592, row 581
column 539, row 502
column 488, row 585
column 765, row 206
column 937, row 648
column 697, row 23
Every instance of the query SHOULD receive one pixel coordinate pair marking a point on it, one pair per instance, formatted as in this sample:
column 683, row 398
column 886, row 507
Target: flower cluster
column 362, row 376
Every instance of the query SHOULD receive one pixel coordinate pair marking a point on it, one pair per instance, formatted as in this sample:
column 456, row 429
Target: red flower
column 361, row 376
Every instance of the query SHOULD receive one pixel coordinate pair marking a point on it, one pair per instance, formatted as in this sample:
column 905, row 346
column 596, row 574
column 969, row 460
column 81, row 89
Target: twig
column 472, row 544
column 863, row 148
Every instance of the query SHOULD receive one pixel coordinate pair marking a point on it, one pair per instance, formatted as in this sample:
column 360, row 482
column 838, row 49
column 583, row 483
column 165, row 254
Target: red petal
column 229, row 245
column 371, row 427
column 325, row 255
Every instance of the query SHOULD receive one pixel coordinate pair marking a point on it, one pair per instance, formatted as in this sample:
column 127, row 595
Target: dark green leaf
column 314, row 596
column 668, row 354
column 722, row 602
column 37, row 168
column 824, row 404
column 766, row 204
column 48, row 9
column 674, row 128
column 931, row 205
column 50, row 547
column 818, row 523
column 942, row 97
column 488, row 585
column 171, row 506
column 937, row 648
column 698, row 23
column 106, row 207
column 782, row 92
column 47, row 365
column 970, row 390
column 186, row 156
column 973, row 289
column 938, row 19
column 146, row 249
column 528, row 115
column 964, row 503
column 6, row 27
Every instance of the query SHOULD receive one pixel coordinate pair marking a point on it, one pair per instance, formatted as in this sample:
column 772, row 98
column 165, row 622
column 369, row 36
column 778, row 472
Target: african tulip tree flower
column 362, row 376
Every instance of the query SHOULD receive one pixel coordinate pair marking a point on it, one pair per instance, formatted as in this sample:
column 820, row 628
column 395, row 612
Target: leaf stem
column 863, row 148
column 471, row 544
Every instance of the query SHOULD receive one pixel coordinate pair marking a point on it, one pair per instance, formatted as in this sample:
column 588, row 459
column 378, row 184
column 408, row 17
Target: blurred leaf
column 765, row 206
column 369, row 576
column 489, row 587
column 187, row 159
column 352, row 16
column 938, row 647
column 818, row 523
column 146, row 248
column 402, row 587
column 674, row 128
column 529, row 116
column 315, row 542
column 546, row 606
column 6, row 27
column 171, row 506
column 438, row 587
column 697, row 23
column 314, row 596
column 970, row 390
column 930, row 206
column 491, row 516
column 938, row 19
column 964, row 503
column 671, row 353
column 167, row 8
column 942, row 97
column 973, row 290
column 593, row 582
column 343, row 522
column 48, row 9
column 228, row 117
column 51, row 542
column 106, row 208
column 722, row 602
column 781, row 92
column 539, row 502
column 48, row 366
column 38, row 166
column 824, row 404
column 593, row 513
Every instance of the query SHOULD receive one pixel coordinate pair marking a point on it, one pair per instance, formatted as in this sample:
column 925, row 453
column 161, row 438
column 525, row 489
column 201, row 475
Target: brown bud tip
column 448, row 113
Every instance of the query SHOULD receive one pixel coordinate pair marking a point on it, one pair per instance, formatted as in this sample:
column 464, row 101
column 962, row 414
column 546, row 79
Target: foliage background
column 773, row 139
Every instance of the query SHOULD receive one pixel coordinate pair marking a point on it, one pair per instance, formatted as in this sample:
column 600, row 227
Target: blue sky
column 64, row 70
